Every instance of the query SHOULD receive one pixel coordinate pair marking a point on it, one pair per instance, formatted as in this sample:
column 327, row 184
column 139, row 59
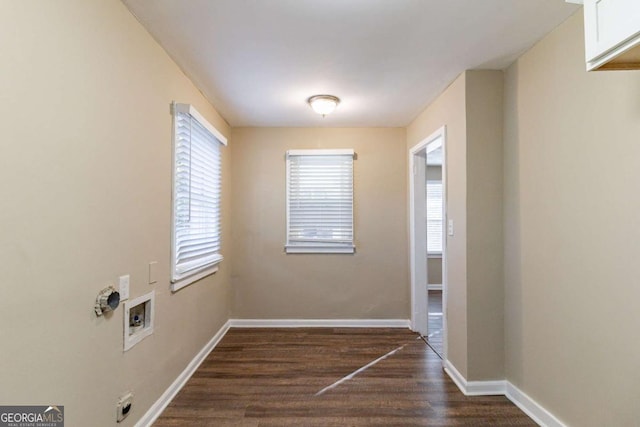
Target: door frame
column 417, row 235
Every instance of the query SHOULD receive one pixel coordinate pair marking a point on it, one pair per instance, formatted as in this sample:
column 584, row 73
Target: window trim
column 190, row 109
column 179, row 283
column 311, row 248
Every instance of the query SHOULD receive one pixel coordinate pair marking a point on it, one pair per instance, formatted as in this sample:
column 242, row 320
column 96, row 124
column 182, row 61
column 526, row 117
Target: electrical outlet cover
column 153, row 272
column 124, row 287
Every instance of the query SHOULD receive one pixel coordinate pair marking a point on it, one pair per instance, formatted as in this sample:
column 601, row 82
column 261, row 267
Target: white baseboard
column 532, row 408
column 163, row 401
column 486, row 388
column 470, row 388
column 455, row 376
column 156, row 409
column 529, row 406
column 434, row 287
column 319, row 323
column 474, row 388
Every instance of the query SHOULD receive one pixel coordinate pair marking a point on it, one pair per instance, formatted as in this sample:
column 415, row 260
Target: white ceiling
column 258, row 61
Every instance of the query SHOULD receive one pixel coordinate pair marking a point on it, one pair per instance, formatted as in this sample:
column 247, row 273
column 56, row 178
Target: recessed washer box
column 138, row 319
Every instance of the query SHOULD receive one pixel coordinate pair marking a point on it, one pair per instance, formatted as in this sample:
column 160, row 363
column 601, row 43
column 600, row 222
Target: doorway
column 435, row 237
column 427, row 163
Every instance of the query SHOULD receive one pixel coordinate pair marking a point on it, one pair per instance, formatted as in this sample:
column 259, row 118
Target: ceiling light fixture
column 323, row 104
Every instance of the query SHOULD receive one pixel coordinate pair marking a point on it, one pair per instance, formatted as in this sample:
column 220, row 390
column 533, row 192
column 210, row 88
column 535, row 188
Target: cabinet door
column 609, row 23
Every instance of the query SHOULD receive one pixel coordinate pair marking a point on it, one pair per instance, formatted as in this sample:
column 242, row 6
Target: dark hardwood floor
column 434, row 336
column 296, row 377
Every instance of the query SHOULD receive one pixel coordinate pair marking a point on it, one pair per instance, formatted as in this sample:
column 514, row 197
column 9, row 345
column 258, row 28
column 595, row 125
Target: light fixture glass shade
column 323, row 104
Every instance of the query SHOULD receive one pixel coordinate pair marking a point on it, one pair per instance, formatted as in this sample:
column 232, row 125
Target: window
column 320, row 201
column 196, row 236
column 434, row 217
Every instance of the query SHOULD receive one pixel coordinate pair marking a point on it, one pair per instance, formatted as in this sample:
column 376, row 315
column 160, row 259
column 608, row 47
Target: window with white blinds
column 434, row 217
column 196, row 234
column 320, row 201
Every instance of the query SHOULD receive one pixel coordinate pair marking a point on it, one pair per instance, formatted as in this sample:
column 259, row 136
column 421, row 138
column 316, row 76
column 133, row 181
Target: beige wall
column 86, row 180
column 471, row 110
column 449, row 109
column 434, row 270
column 434, row 173
column 571, row 234
column 86, row 187
column 485, row 286
column 267, row 283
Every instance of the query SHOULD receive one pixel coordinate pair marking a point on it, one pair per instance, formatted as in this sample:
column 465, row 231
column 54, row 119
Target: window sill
column 194, row 278
column 300, row 249
column 435, row 255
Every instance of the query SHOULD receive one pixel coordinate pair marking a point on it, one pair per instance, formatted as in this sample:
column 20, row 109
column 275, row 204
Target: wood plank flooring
column 434, row 314
column 272, row 377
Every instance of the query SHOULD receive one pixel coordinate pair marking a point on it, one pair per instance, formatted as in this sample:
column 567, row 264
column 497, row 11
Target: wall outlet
column 124, row 287
column 125, row 404
column 153, row 272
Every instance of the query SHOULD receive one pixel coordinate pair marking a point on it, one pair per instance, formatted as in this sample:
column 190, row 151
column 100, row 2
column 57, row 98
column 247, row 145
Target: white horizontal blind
column 434, row 217
column 196, row 196
column 320, row 201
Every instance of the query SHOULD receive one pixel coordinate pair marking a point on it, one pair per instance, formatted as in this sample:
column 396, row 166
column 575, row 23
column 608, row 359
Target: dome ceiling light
column 323, row 104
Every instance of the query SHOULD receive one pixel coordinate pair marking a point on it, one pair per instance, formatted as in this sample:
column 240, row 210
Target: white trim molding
column 418, row 250
column 163, row 401
column 532, row 408
column 323, row 152
column 315, row 249
column 529, row 406
column 434, row 287
column 176, row 286
column 474, row 388
column 319, row 323
column 455, row 376
column 190, row 109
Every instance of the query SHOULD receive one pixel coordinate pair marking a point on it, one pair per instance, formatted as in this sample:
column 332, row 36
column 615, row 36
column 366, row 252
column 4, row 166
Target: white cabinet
column 612, row 34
